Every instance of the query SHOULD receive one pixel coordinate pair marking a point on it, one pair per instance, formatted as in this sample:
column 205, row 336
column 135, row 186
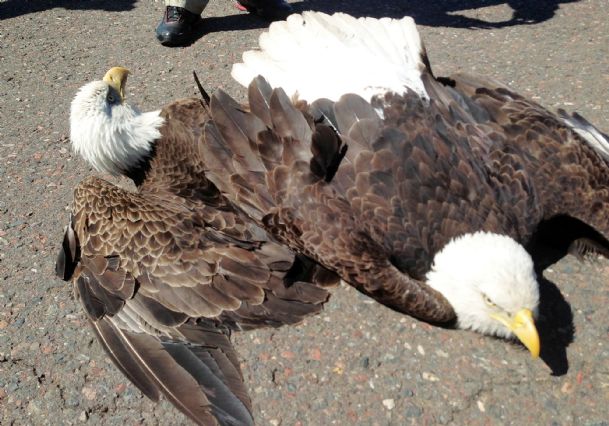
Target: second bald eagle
column 424, row 193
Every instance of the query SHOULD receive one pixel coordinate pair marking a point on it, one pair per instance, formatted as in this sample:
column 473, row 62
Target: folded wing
column 163, row 291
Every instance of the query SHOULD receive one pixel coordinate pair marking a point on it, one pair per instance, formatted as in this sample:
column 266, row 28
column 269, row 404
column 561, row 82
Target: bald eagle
column 165, row 274
column 431, row 195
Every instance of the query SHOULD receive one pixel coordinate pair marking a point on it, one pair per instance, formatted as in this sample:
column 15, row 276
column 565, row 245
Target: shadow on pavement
column 443, row 13
column 242, row 21
column 555, row 327
column 554, row 239
column 15, row 8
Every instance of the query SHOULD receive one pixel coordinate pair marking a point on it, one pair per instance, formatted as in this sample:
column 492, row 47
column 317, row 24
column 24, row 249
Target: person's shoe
column 176, row 27
column 273, row 10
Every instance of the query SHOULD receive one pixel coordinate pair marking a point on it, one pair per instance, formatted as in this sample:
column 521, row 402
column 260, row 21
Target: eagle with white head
column 431, row 195
column 165, row 274
column 106, row 131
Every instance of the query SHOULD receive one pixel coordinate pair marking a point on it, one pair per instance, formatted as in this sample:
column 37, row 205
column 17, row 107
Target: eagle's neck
column 138, row 172
column 119, row 141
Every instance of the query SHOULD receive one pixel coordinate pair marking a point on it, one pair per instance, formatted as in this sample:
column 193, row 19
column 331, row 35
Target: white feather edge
column 594, row 137
column 314, row 55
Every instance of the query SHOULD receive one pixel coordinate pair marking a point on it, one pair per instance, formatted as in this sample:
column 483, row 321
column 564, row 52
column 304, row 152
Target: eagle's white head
column 107, row 132
column 490, row 281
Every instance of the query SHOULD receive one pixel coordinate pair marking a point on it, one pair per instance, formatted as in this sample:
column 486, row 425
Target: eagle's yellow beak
column 116, row 77
column 523, row 326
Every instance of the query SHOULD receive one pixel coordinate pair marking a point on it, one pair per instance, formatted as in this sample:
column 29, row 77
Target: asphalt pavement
column 357, row 362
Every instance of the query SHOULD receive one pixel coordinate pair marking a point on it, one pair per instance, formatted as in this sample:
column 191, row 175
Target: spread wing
column 474, row 157
column 286, row 168
column 163, row 290
column 548, row 165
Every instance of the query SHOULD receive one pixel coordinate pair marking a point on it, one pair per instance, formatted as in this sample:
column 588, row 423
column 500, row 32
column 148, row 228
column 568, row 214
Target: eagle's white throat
column 111, row 135
column 484, row 275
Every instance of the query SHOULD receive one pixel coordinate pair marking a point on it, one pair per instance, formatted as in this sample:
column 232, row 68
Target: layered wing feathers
column 300, row 190
column 163, row 289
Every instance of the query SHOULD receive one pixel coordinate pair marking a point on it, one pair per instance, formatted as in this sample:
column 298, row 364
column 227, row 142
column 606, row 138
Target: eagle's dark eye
column 110, row 97
column 488, row 301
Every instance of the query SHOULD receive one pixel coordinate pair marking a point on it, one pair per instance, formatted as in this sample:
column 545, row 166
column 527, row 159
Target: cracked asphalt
column 356, row 363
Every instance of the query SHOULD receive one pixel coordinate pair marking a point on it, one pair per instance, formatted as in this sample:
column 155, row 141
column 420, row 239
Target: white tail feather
column 315, row 55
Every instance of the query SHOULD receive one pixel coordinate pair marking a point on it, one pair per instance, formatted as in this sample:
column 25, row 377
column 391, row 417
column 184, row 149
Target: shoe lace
column 174, row 13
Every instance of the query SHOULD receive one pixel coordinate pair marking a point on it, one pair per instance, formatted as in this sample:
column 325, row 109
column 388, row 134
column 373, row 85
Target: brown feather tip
column 68, row 255
column 204, row 94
